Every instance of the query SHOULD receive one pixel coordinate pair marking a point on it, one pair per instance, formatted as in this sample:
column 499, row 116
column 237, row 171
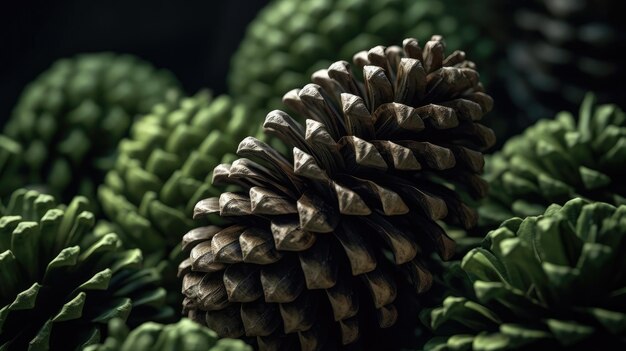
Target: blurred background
column 194, row 39
column 535, row 57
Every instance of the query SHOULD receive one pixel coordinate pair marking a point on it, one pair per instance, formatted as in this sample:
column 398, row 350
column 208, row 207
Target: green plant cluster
column 183, row 335
column 556, row 160
column 549, row 282
column 63, row 278
column 69, row 120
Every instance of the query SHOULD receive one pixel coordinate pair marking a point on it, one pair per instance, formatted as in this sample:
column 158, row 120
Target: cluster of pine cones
column 358, row 190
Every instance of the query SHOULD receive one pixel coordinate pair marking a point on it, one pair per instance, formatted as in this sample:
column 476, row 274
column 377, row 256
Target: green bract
column 182, row 336
column 557, row 160
column 70, row 119
column 61, row 280
column 290, row 40
column 552, row 282
column 165, row 167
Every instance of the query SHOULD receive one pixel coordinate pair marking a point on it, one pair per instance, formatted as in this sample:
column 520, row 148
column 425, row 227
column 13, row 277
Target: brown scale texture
column 321, row 239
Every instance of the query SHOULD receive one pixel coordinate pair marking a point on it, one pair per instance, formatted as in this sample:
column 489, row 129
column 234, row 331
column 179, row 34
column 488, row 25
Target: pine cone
column 70, row 119
column 62, row 281
column 553, row 282
column 182, row 336
column 161, row 172
column 562, row 49
column 557, row 160
column 289, row 40
column 379, row 156
column 10, row 152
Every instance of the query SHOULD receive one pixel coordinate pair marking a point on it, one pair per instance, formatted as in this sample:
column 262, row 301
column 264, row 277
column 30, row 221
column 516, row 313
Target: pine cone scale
column 282, row 283
column 265, row 201
column 259, row 320
column 318, row 265
column 258, row 246
column 299, row 315
column 227, row 322
column 391, row 203
column 288, row 236
column 316, row 215
column 203, row 258
column 350, row 203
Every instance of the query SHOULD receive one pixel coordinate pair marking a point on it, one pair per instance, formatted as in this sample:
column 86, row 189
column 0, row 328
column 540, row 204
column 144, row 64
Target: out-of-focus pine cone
column 184, row 335
column 552, row 282
column 318, row 244
column 62, row 280
column 70, row 119
column 164, row 168
column 556, row 160
column 10, row 152
column 289, row 40
column 562, row 49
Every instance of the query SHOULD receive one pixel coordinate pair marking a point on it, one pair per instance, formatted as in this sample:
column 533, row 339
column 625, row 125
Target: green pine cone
column 70, row 119
column 289, row 40
column 557, row 160
column 164, row 168
column 10, row 152
column 551, row 282
column 182, row 336
column 62, row 280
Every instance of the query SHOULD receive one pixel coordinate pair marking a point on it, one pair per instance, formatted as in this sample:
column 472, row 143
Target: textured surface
column 289, row 40
column 562, row 49
column 381, row 156
column 10, row 152
column 69, row 120
column 182, row 336
column 165, row 167
column 62, row 280
column 557, row 160
column 552, row 282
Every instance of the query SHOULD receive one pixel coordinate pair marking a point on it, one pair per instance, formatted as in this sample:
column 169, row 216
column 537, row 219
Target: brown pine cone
column 319, row 242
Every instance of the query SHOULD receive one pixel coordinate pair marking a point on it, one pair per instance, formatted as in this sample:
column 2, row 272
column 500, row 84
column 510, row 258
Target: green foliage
column 289, row 40
column 551, row 282
column 62, row 280
column 70, row 119
column 557, row 160
column 182, row 336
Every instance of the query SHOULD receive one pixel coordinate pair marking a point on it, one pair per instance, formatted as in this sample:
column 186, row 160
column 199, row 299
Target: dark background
column 192, row 38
